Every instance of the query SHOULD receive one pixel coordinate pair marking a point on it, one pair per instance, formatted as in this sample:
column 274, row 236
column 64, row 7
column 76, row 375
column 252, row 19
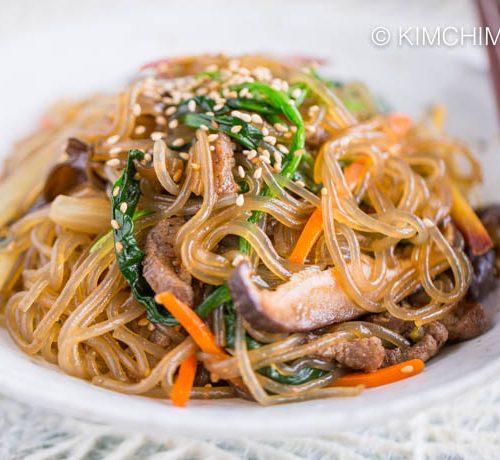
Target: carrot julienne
column 314, row 226
column 399, row 124
column 190, row 321
column 184, row 382
column 468, row 223
column 384, row 376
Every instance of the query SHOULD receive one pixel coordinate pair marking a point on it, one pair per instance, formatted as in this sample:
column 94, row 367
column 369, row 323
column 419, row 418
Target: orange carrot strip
column 314, row 226
column 308, row 237
column 469, row 224
column 399, row 124
column 318, row 166
column 190, row 321
column 384, row 376
column 184, row 382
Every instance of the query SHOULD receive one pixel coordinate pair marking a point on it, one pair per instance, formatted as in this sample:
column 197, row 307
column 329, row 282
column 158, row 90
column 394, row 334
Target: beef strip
column 466, row 321
column 483, row 274
column 162, row 269
column 435, row 336
column 366, row 354
column 223, row 164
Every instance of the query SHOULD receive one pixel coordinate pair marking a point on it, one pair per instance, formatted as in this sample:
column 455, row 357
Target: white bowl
column 79, row 50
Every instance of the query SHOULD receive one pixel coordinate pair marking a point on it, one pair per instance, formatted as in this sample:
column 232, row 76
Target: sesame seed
column 143, row 322
column 161, row 120
column 210, row 114
column 265, row 152
column 281, row 128
column 258, row 173
column 236, row 129
column 123, row 207
column 212, row 148
column 212, row 137
column 151, row 327
column 313, row 109
column 270, row 140
column 192, row 105
column 184, row 155
column 204, row 127
column 283, row 149
column 407, row 369
column 113, row 139
column 288, row 135
column 119, row 246
column 300, row 183
column 324, row 191
column 244, row 92
column 240, row 200
column 136, row 109
column 116, row 191
column 265, row 159
column 238, row 259
column 156, row 135
column 115, row 150
column 241, row 171
column 140, row 129
column 252, row 154
column 170, row 110
column 277, row 157
column 148, row 157
column 173, row 124
column 114, row 162
column 428, row 223
column 178, row 142
column 265, row 131
column 115, row 224
column 257, row 119
column 195, row 166
column 218, row 107
column 296, row 93
column 235, row 113
column 311, row 129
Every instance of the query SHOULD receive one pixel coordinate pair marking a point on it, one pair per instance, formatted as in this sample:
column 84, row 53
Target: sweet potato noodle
column 290, row 138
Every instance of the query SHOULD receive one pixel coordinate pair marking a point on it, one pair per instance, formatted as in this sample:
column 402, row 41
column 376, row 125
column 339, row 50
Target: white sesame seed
column 210, row 114
column 115, row 224
column 240, row 200
column 311, row 129
column 178, row 142
column 212, row 148
column 123, row 207
column 313, row 109
column 236, row 129
column 270, row 140
column 265, row 131
column 265, row 159
column 204, row 127
column 265, row 152
column 119, row 246
column 283, row 149
column 241, row 171
column 300, row 183
column 258, row 173
column 237, row 260
column 116, row 190
column 324, row 191
column 407, row 369
column 115, row 150
column 244, row 92
column 296, row 93
column 184, row 155
column 257, row 119
column 195, row 166
column 281, row 128
column 140, row 129
column 252, row 154
column 170, row 110
column 192, row 105
column 114, row 162
column 148, row 157
column 156, row 135
column 428, row 223
column 212, row 137
column 113, row 139
column 136, row 109
column 173, row 124
column 217, row 107
column 161, row 120
column 277, row 157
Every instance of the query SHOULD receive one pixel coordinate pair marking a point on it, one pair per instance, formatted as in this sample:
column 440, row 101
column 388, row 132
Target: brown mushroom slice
column 310, row 300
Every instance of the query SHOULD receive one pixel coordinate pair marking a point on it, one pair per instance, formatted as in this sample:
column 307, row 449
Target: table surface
column 467, row 427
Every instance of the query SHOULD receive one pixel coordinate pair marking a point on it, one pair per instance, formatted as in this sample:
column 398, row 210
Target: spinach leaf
column 126, row 194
